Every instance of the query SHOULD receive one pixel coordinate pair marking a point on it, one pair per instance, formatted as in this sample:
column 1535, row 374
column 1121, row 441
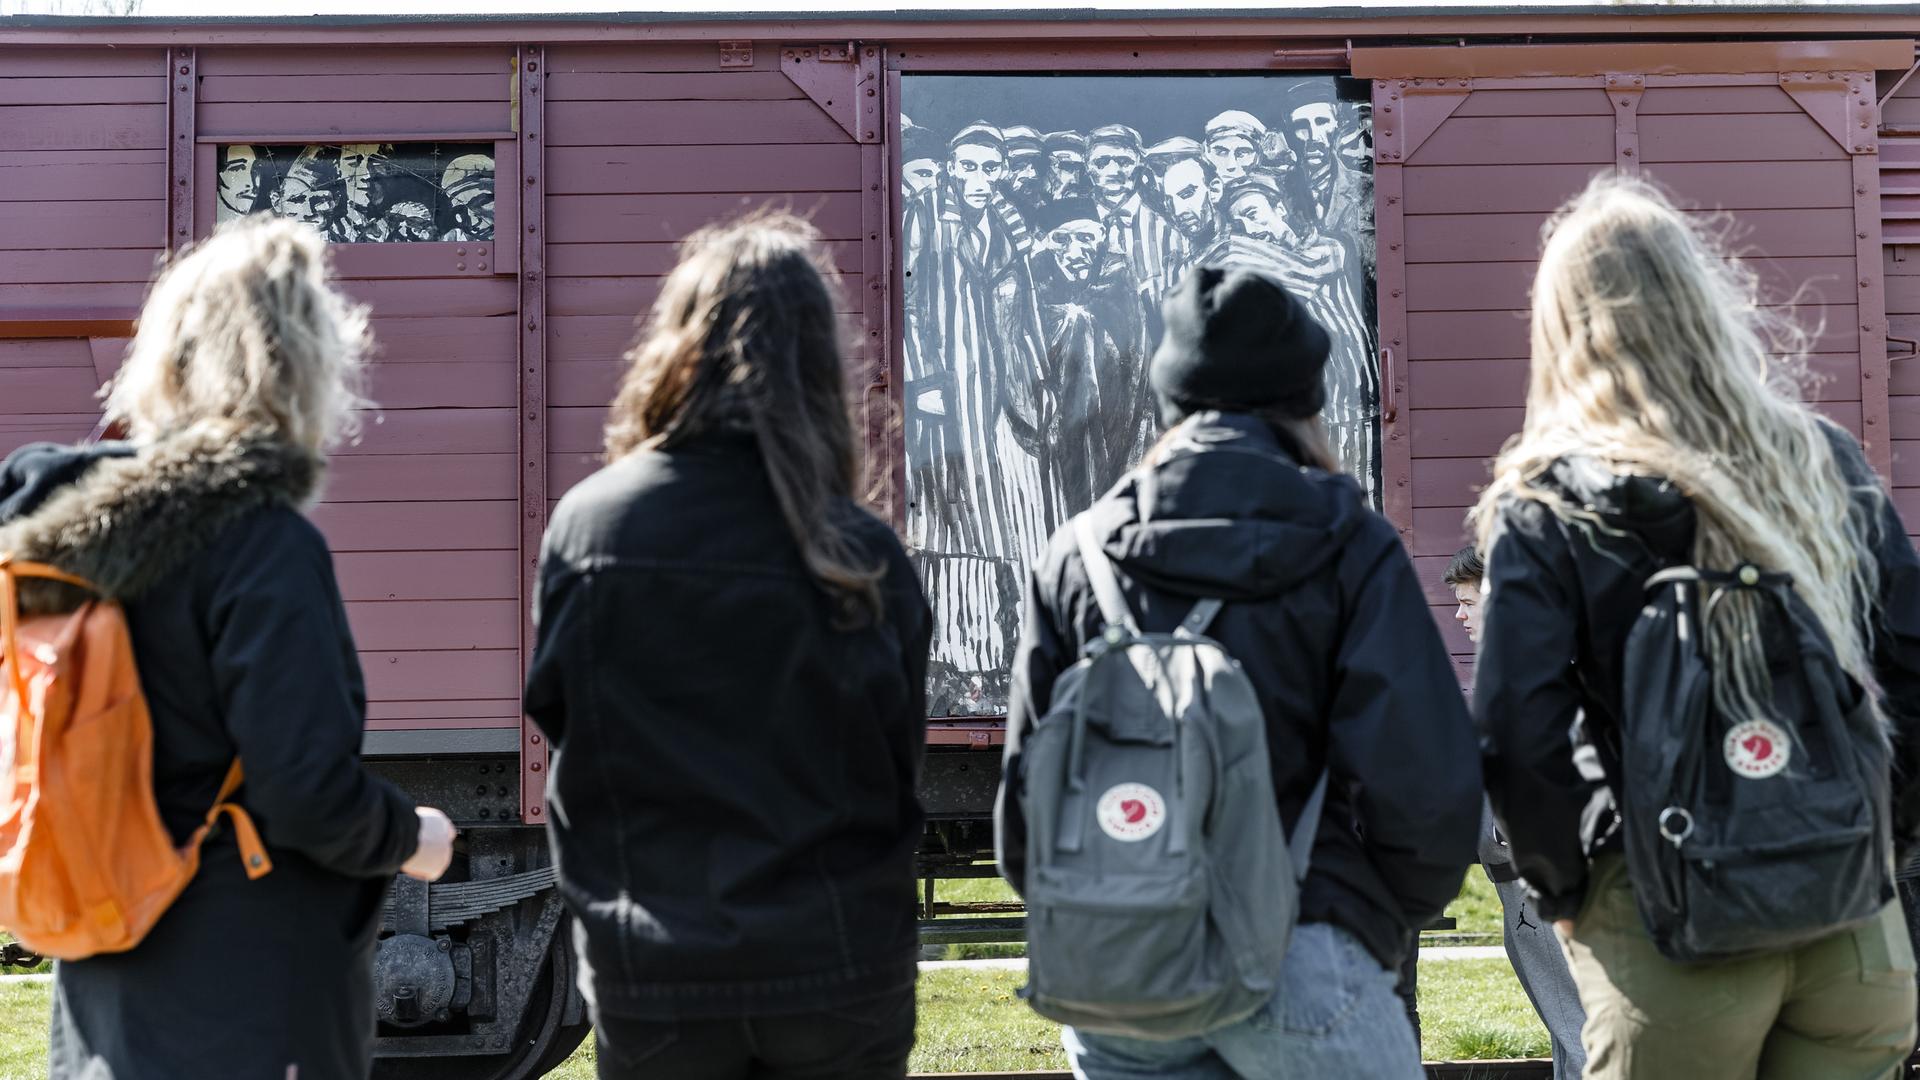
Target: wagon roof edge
column 1625, row 20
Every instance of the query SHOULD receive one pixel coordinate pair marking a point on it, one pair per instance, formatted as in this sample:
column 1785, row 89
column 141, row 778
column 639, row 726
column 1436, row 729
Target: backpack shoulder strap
column 1106, row 589
column 1308, row 827
column 1200, row 617
column 253, row 853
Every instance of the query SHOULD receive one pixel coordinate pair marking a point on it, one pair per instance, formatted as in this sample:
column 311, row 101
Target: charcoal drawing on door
column 385, row 193
column 1045, row 219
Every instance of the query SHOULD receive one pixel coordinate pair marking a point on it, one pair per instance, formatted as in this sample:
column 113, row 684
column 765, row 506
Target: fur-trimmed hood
column 124, row 517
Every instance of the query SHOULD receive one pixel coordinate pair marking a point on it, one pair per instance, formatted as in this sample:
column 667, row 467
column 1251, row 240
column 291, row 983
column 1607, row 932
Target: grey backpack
column 1161, row 891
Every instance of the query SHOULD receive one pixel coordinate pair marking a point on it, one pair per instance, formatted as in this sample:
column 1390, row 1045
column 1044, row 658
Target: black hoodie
column 1547, row 684
column 1325, row 614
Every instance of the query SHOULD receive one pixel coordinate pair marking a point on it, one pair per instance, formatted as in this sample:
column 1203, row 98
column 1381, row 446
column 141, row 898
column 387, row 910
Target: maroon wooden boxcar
column 605, row 139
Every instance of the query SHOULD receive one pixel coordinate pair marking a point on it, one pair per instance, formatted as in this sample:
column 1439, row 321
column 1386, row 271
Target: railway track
column 1521, row 1069
column 1508, row 1069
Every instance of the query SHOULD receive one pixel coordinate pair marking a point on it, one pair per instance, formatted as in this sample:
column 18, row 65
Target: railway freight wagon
column 1005, row 199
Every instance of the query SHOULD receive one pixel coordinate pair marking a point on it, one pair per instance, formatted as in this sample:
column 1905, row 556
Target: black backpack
column 1754, row 835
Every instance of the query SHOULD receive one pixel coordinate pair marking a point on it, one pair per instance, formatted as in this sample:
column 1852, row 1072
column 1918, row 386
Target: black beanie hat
column 1236, row 339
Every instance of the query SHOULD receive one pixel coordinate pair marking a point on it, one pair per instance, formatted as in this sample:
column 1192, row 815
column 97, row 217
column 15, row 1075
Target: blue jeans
column 1335, row 1015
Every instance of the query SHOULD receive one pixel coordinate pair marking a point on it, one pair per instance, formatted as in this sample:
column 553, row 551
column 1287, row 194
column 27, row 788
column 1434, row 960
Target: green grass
column 1477, row 909
column 24, row 1008
column 1476, row 1009
column 1475, row 912
column 974, row 1021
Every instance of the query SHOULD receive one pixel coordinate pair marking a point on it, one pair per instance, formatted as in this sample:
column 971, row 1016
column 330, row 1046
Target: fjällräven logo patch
column 1757, row 749
column 1130, row 812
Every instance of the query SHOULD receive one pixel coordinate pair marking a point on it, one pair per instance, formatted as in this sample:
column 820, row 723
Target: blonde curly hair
column 244, row 331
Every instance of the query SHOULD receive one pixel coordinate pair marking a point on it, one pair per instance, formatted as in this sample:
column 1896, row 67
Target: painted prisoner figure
column 1272, row 232
column 1150, row 244
column 1066, row 164
column 1342, row 196
column 239, row 189
column 1099, row 408
column 973, row 357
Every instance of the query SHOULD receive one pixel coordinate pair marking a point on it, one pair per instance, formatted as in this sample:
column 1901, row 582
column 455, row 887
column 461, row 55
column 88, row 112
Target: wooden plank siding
column 83, row 221
column 421, row 504
column 645, row 145
column 1744, row 160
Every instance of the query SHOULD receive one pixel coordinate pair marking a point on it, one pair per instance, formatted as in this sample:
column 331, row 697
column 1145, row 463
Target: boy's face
column 1468, row 613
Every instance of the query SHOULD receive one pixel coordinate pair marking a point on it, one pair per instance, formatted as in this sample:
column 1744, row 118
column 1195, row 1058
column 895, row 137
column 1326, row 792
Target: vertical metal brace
column 1390, row 233
column 1876, row 367
column 889, row 404
column 872, row 374
column 532, row 377
column 183, row 83
column 1624, row 92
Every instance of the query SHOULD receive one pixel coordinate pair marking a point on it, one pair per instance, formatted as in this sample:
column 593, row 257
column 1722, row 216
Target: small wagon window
column 366, row 193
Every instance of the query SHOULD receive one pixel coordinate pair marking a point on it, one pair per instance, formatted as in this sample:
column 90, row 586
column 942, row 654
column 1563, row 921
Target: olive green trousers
column 1841, row 1008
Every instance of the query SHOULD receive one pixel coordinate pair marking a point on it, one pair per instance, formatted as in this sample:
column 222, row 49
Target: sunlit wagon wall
column 645, row 145
column 83, row 217
column 1780, row 165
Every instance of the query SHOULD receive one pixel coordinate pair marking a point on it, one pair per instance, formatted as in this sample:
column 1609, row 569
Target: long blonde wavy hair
column 1652, row 357
column 244, row 332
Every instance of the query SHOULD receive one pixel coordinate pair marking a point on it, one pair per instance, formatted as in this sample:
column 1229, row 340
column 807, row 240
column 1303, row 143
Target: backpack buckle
column 1676, row 824
column 1111, row 638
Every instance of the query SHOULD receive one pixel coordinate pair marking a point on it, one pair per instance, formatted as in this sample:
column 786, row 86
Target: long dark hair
column 744, row 340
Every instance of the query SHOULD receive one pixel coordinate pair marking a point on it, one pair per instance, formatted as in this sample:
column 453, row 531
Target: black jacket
column 1547, row 688
column 1324, row 613
column 242, row 645
column 734, row 808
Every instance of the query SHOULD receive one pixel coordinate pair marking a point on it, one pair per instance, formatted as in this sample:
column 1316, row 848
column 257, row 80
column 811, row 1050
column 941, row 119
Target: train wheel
column 544, row 1041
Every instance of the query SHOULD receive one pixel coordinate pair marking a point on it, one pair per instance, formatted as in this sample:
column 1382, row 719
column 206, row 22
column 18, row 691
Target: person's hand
column 1565, row 926
column 431, row 859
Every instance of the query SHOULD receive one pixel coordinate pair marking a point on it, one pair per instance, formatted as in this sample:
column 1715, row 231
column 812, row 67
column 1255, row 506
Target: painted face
column 238, row 178
column 356, row 172
column 1069, row 174
column 301, row 200
column 1313, row 129
column 1356, row 140
column 1253, row 214
column 975, row 169
column 1190, row 195
column 1112, row 168
column 1075, row 244
column 1232, row 155
column 411, row 222
column 473, row 211
column 1023, row 170
column 918, row 175
column 1467, row 614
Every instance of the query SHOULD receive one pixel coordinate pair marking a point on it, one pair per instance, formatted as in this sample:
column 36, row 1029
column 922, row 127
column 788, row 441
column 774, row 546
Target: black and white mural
column 1045, row 219
column 375, row 193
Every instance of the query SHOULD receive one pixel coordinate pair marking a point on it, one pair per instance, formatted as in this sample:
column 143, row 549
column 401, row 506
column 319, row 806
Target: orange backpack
column 86, row 866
